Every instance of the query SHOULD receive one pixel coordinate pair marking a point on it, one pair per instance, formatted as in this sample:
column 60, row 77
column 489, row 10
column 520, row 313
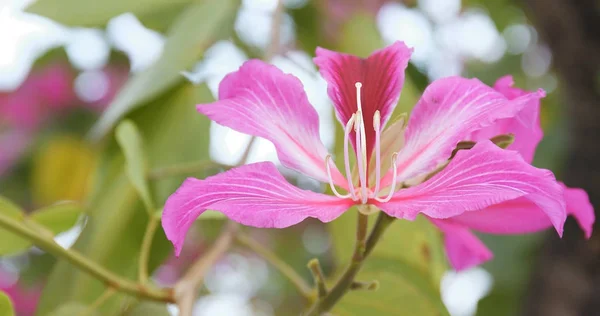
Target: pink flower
column 260, row 100
column 516, row 216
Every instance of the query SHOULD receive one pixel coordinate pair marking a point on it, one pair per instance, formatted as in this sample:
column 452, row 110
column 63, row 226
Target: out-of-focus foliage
column 198, row 27
column 50, row 220
column 6, row 307
column 151, row 123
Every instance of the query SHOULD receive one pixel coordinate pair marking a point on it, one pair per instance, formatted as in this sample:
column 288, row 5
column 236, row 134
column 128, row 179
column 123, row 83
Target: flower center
column 363, row 192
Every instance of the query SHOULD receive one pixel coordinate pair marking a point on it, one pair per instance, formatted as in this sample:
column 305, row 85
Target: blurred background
column 70, row 70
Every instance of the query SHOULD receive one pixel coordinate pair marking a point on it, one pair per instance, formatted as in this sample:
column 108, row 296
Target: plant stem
column 185, row 169
column 187, row 287
column 361, row 251
column 153, row 222
column 276, row 262
column 111, row 279
column 317, row 272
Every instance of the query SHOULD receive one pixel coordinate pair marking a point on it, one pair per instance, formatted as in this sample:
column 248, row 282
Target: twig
column 274, row 46
column 277, row 263
column 347, row 279
column 317, row 272
column 153, row 222
column 111, row 279
column 188, row 286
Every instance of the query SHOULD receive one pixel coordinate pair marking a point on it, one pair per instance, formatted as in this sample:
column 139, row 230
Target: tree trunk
column 567, row 274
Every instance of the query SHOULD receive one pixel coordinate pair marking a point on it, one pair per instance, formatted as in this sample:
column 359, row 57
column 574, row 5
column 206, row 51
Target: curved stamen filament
column 347, row 131
column 333, row 189
column 377, row 126
column 393, row 187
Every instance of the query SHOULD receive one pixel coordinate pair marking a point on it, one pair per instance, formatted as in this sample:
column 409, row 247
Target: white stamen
column 347, row 131
column 333, row 189
column 377, row 127
column 393, row 187
column 361, row 146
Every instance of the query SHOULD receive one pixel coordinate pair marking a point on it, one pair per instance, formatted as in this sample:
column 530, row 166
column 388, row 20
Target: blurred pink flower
column 260, row 100
column 24, row 298
column 46, row 93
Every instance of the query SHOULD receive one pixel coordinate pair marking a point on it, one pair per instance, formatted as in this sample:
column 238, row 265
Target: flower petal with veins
column 260, row 100
column 478, row 178
column 450, row 110
column 253, row 195
column 382, row 78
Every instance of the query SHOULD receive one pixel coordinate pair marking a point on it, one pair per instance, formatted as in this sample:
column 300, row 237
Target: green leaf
column 129, row 138
column 56, row 219
column 6, row 307
column 96, row 13
column 9, row 242
column 174, row 133
column 9, row 208
column 199, row 26
column 59, row 217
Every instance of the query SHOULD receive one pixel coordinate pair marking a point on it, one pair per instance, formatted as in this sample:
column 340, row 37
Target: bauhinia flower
column 403, row 170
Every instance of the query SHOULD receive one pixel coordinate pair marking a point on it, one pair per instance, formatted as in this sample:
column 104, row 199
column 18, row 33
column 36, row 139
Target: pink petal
column 478, row 178
column 448, row 112
column 525, row 125
column 259, row 99
column 463, row 248
column 578, row 205
column 520, row 216
column 254, row 195
column 381, row 75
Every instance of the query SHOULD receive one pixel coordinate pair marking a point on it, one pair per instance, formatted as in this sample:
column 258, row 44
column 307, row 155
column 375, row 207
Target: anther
column 393, row 187
column 358, row 85
column 333, row 189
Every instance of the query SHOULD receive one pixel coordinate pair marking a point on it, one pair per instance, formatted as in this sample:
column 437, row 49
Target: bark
column 567, row 277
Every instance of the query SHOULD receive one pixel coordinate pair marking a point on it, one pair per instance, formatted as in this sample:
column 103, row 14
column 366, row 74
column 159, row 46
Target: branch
column 188, row 286
column 153, row 222
column 276, row 262
column 346, row 281
column 109, row 278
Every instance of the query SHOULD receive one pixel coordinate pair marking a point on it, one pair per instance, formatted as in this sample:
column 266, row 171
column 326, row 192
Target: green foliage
column 169, row 125
column 198, row 27
column 97, row 13
column 50, row 220
column 6, row 307
column 58, row 217
column 136, row 167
